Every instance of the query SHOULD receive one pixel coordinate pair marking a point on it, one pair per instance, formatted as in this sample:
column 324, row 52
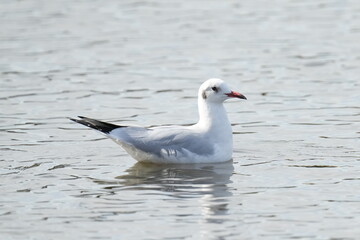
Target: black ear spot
column 204, row 95
column 215, row 89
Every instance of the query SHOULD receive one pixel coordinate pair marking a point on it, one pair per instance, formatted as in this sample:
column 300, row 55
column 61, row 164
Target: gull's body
column 208, row 141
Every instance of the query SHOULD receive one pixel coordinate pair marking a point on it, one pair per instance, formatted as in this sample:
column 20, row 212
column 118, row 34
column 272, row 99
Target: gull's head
column 217, row 91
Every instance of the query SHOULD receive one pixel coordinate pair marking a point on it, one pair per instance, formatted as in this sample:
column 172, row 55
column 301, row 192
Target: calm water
column 296, row 166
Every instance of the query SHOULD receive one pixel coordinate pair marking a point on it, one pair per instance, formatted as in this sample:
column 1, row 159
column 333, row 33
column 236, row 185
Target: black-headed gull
column 208, row 141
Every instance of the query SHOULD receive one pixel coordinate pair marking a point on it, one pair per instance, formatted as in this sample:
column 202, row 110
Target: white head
column 217, row 91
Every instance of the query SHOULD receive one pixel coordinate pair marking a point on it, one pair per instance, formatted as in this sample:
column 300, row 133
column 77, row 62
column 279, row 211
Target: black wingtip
column 73, row 119
column 96, row 124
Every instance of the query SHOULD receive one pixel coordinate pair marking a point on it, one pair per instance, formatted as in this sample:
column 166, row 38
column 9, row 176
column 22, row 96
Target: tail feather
column 96, row 124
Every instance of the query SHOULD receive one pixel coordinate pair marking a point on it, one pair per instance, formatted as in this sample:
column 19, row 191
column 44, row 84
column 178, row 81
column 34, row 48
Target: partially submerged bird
column 207, row 141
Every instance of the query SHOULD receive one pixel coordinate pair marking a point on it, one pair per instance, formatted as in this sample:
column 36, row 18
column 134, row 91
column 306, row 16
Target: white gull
column 208, row 141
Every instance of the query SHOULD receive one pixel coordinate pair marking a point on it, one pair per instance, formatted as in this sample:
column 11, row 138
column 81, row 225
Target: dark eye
column 215, row 89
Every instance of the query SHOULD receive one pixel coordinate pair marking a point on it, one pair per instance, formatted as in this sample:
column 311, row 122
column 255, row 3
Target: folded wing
column 164, row 142
column 169, row 143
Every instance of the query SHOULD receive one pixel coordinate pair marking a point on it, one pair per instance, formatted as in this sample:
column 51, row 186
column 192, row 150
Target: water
column 296, row 164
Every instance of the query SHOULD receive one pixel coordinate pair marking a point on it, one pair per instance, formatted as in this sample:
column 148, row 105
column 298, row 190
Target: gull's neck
column 212, row 115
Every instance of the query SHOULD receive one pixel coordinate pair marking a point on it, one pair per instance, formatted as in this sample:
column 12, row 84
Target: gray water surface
column 296, row 162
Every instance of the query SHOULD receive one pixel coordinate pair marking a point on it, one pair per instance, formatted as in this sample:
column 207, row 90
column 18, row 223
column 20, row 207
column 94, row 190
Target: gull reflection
column 207, row 182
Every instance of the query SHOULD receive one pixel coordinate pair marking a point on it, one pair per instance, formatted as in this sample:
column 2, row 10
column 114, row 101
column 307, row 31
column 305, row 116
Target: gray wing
column 171, row 141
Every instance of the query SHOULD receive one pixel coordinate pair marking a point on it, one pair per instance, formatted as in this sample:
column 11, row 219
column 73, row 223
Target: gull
column 207, row 141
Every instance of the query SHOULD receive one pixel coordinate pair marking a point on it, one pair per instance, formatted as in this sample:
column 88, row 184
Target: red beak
column 235, row 95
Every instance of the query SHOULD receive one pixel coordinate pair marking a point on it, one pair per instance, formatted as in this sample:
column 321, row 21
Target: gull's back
column 172, row 144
